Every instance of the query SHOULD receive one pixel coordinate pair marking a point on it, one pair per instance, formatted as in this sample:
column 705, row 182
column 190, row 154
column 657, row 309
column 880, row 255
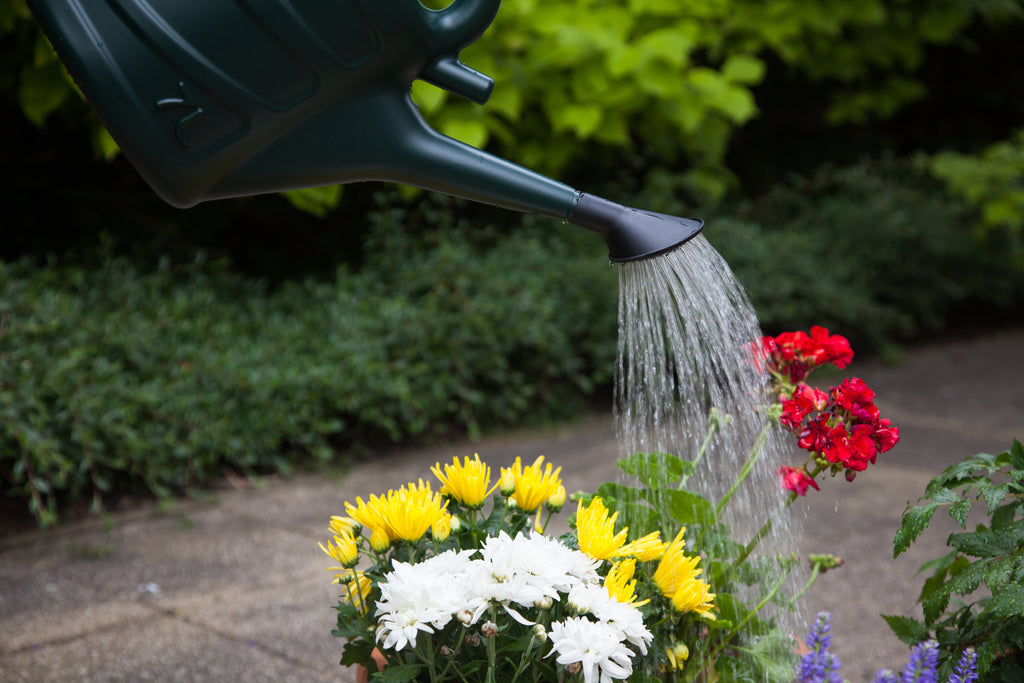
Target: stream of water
column 686, row 334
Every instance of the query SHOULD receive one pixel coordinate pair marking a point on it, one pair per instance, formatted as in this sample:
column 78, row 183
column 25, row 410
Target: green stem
column 451, row 660
column 428, row 658
column 523, row 659
column 491, row 653
column 750, row 615
column 748, row 465
column 713, row 428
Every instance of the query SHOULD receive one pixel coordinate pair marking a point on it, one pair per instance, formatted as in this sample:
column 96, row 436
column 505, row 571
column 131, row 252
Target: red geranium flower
column 854, row 396
column 796, row 479
column 815, row 435
column 826, row 348
column 805, row 400
column 885, row 435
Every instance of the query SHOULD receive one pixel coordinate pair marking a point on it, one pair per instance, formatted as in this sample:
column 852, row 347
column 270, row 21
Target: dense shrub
column 116, row 379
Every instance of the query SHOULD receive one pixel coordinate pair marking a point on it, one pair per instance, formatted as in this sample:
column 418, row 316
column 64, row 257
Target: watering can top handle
column 462, row 22
column 455, row 27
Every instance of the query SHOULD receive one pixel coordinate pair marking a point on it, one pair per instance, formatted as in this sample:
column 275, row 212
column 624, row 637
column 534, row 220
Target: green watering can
column 224, row 98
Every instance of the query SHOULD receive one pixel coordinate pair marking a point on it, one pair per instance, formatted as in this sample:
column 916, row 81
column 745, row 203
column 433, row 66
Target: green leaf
column 915, row 520
column 656, row 470
column 689, row 508
column 958, row 512
column 1005, row 603
column 1016, row 455
column 398, row 673
column 908, row 630
column 743, row 68
column 986, row 543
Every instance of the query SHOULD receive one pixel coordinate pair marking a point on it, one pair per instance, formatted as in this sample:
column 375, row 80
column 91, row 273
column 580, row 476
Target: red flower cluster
column 792, row 355
column 842, row 428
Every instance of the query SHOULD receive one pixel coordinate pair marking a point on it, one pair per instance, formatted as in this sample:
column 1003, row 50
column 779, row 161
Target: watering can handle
column 455, row 27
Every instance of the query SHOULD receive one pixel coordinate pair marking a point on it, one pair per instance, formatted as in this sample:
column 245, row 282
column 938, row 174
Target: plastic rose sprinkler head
column 226, row 98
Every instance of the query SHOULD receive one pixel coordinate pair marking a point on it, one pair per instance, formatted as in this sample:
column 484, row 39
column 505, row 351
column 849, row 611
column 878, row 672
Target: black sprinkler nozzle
column 633, row 234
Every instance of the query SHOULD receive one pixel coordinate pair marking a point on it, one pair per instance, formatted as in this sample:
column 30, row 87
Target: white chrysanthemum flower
column 491, row 585
column 623, row 617
column 421, row 597
column 596, row 646
column 548, row 565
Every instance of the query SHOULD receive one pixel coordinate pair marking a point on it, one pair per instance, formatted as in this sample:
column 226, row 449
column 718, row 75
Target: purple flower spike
column 819, row 665
column 967, row 669
column 886, row 676
column 924, row 660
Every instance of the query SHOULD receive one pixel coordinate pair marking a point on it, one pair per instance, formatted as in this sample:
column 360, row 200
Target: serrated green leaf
column 1005, row 603
column 1016, row 455
column 915, row 520
column 908, row 630
column 985, row 543
column 958, row 512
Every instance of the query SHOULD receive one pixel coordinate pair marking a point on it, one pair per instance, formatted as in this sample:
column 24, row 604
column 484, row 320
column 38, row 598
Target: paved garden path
column 235, row 588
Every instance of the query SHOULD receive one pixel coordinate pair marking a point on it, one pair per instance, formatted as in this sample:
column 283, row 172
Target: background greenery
column 860, row 164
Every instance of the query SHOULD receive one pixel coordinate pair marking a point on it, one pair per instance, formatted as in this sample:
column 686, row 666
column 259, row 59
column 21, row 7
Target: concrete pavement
column 235, row 588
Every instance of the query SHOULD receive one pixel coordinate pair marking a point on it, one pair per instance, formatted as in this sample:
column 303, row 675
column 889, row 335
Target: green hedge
column 117, row 379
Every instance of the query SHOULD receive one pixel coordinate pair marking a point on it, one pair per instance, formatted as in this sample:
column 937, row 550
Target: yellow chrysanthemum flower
column 372, row 515
column 621, row 585
column 414, row 509
column 694, row 596
column 532, row 486
column 405, row 514
column 676, row 578
column 343, row 549
column 595, row 531
column 466, row 483
column 645, row 548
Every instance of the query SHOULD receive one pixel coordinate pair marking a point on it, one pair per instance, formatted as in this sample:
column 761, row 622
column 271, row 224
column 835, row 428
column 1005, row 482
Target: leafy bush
column 115, row 380
column 991, row 620
column 993, row 181
column 876, row 250
column 663, row 80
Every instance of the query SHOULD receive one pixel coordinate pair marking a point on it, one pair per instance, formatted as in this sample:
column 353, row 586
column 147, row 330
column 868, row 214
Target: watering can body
column 226, row 98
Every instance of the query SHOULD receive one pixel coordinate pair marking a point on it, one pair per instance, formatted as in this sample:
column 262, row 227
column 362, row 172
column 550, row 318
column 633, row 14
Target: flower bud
column 455, row 524
column 441, row 528
column 540, row 633
column 489, row 629
column 544, row 602
column 465, row 617
column 507, row 483
column 445, row 650
column 473, row 640
column 555, row 502
column 379, row 540
column 677, row 654
column 345, row 525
